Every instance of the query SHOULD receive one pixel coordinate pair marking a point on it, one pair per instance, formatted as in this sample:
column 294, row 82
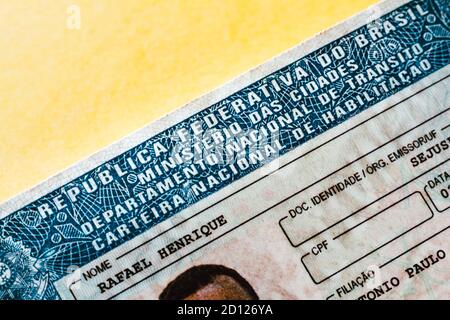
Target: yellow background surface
column 66, row 93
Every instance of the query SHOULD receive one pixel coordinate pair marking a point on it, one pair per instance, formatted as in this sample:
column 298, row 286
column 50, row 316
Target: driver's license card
column 321, row 174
